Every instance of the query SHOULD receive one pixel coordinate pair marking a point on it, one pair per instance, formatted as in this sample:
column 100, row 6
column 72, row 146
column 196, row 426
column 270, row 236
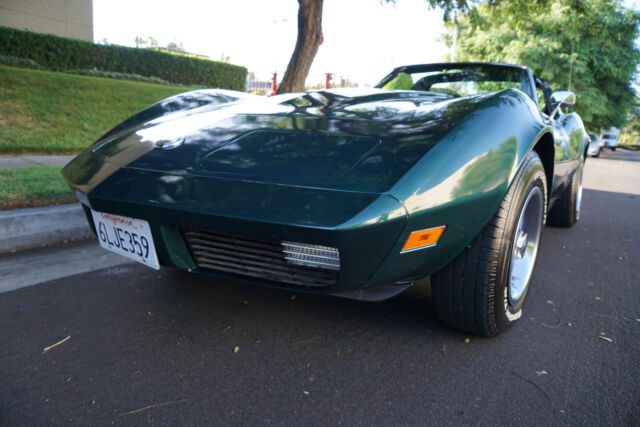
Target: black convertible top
column 529, row 88
column 417, row 68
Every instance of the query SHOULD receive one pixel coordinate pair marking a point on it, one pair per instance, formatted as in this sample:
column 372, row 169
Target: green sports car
column 442, row 170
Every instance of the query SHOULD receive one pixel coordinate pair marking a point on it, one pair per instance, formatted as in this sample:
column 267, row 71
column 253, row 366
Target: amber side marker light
column 423, row 239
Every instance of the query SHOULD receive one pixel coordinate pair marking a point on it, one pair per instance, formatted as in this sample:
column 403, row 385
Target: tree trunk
column 309, row 40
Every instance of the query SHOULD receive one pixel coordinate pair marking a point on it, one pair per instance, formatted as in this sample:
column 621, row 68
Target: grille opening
column 256, row 258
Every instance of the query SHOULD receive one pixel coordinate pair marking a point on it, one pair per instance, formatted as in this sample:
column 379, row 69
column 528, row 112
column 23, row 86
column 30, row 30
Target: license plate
column 129, row 237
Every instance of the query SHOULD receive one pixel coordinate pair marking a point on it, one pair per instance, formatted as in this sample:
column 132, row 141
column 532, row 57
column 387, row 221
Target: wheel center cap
column 521, row 244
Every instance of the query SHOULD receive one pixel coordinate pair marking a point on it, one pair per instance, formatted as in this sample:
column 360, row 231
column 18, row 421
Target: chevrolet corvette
column 444, row 170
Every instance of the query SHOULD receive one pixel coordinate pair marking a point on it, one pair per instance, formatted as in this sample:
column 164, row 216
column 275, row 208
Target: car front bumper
column 364, row 228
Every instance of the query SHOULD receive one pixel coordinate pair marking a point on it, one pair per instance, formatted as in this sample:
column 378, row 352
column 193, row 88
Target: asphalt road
column 170, row 348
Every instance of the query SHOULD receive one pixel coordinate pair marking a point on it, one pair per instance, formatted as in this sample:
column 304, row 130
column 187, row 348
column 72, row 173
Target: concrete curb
column 25, row 228
column 8, row 162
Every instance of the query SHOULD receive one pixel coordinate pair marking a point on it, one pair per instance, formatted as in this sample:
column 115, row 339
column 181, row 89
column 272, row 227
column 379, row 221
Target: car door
column 561, row 138
column 570, row 140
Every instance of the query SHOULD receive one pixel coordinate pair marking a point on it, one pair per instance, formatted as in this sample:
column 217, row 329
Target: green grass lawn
column 33, row 186
column 43, row 112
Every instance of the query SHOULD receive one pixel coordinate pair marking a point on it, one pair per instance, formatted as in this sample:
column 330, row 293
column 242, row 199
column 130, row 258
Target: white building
column 65, row 18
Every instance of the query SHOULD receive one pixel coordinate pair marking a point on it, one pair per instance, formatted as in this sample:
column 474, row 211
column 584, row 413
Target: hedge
column 94, row 72
column 12, row 61
column 63, row 54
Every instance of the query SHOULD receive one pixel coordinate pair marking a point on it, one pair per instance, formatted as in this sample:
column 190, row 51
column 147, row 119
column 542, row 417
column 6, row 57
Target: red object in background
column 327, row 82
column 274, row 84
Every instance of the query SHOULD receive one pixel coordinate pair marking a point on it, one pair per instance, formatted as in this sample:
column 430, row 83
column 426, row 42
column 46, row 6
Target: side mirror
column 563, row 97
column 560, row 98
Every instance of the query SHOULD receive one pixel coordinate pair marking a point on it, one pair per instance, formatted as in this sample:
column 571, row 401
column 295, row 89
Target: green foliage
column 633, row 123
column 583, row 45
column 59, row 53
column 401, row 81
column 631, row 133
column 449, row 7
column 43, row 112
column 12, row 61
column 122, row 76
column 179, row 53
column 33, row 186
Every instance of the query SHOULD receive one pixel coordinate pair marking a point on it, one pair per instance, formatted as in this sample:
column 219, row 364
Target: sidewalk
column 7, row 162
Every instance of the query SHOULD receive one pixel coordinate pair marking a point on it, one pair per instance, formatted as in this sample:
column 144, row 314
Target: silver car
column 594, row 146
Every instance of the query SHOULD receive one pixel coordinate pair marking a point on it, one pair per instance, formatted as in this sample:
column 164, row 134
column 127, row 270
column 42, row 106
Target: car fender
column 462, row 180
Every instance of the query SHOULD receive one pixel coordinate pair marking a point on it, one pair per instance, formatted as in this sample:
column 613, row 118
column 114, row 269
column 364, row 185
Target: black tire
column 613, row 148
column 473, row 292
column 566, row 211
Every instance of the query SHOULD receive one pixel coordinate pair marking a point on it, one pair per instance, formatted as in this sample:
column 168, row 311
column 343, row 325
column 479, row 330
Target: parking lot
column 172, row 348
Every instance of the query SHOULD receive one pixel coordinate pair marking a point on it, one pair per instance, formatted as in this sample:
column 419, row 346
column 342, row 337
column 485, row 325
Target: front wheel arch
column 545, row 149
column 474, row 292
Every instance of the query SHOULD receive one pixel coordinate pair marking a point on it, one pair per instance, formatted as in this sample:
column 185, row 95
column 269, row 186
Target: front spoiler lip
column 373, row 294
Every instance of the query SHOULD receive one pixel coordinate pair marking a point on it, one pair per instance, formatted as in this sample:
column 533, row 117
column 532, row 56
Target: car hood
column 359, row 140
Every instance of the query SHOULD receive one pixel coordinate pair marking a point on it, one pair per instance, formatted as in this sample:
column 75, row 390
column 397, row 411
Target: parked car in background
column 350, row 192
column 594, row 146
column 609, row 138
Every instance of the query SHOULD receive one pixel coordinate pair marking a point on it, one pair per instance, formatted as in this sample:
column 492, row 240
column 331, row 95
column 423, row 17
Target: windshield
column 459, row 79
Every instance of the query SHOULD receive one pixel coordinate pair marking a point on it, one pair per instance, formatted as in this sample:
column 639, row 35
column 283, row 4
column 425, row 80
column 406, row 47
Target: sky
column 363, row 39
